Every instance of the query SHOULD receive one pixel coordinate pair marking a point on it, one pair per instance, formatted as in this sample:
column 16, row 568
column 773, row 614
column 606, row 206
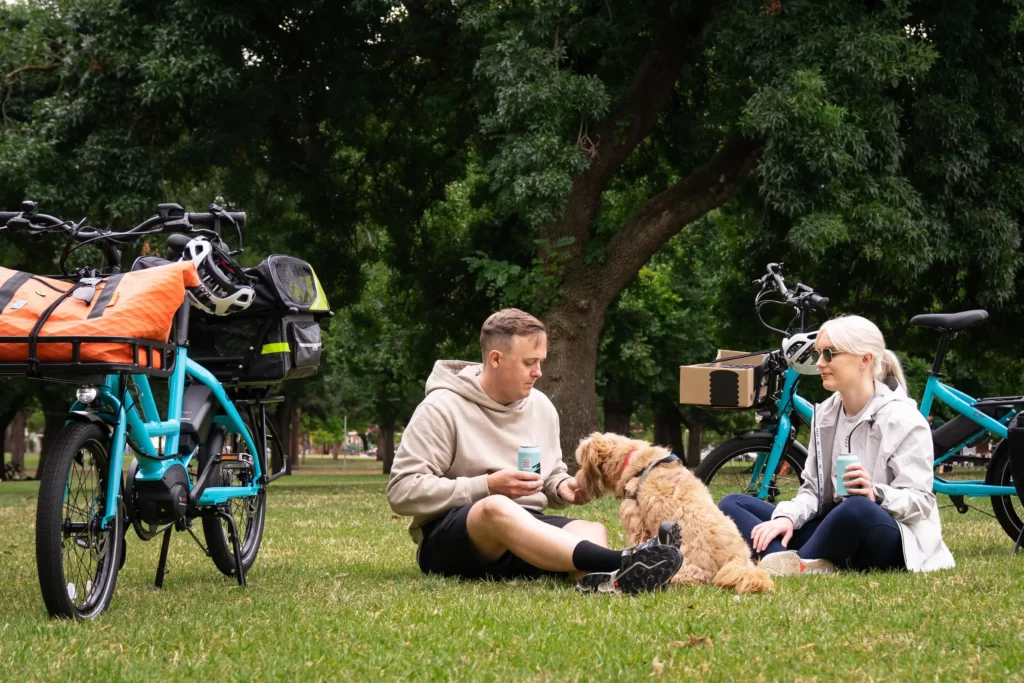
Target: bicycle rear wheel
column 729, row 468
column 76, row 557
column 1009, row 510
column 249, row 513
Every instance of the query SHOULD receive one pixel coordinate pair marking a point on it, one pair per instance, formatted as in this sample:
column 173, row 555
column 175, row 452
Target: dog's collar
column 629, row 456
column 647, row 470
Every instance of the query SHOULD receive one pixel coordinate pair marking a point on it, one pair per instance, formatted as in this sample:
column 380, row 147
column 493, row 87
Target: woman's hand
column 858, row 481
column 765, row 532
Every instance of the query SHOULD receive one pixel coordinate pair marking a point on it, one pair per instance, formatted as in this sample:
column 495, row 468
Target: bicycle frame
column 964, row 404
column 137, row 424
column 787, row 403
column 934, row 389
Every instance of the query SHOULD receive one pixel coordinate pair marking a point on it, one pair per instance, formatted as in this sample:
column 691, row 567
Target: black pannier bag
column 276, row 338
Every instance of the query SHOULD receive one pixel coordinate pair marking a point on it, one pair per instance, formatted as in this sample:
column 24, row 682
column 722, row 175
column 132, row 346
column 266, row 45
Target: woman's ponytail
column 891, row 368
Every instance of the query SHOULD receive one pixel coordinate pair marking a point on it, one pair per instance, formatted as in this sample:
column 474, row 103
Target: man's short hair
column 499, row 329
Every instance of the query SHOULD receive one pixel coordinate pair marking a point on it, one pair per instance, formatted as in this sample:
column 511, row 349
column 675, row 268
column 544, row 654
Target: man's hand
column 513, row 483
column 570, row 492
column 858, row 482
column 765, row 532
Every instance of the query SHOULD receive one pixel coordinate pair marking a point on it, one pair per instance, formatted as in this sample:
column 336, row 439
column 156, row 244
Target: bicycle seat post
column 940, row 353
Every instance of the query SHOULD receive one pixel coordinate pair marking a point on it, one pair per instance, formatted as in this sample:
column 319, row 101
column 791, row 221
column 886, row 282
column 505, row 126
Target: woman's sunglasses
column 827, row 354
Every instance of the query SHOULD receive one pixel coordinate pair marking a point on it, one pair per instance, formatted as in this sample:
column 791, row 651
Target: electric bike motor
column 165, row 500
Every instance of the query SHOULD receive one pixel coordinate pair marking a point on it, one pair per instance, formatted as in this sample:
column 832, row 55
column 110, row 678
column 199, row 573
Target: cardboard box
column 727, row 384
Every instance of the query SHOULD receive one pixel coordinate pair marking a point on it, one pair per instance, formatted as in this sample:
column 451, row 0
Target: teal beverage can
column 842, row 462
column 529, row 459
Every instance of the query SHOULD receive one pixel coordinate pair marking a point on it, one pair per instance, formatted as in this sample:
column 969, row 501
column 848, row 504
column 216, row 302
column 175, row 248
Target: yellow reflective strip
column 278, row 347
column 320, row 304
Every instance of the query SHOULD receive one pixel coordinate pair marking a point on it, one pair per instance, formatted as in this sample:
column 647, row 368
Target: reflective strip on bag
column 277, row 347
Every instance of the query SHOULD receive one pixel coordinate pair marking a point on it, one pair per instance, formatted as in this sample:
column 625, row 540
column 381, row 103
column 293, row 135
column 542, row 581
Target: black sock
column 590, row 557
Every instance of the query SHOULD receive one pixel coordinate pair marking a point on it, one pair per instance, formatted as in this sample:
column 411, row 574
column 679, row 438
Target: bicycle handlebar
column 804, row 299
column 169, row 218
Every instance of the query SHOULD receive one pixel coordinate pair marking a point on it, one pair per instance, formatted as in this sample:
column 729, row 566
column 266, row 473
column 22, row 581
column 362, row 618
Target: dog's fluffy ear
column 589, row 477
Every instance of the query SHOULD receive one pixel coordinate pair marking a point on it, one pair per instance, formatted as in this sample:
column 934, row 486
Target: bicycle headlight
column 86, row 394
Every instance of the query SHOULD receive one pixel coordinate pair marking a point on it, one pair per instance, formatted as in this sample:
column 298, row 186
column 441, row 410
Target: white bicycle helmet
column 221, row 292
column 799, row 352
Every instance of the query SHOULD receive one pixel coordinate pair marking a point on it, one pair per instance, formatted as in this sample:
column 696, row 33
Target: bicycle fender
column 86, row 416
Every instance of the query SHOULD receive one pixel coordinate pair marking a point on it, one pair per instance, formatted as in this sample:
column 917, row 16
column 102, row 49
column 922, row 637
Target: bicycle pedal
column 235, row 461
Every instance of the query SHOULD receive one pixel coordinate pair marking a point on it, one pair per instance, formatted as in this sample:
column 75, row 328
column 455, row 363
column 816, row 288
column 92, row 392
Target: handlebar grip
column 819, row 302
column 209, row 218
column 7, row 215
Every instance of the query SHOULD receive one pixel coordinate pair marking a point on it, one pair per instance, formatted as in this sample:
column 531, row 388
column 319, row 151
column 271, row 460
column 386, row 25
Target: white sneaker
column 789, row 563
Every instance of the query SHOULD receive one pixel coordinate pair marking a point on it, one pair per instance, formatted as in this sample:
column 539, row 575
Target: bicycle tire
column 252, row 510
column 77, row 585
column 1007, row 509
column 712, row 467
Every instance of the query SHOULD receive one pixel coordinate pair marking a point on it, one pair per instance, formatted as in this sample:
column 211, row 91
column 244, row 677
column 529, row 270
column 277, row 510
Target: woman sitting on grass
column 890, row 519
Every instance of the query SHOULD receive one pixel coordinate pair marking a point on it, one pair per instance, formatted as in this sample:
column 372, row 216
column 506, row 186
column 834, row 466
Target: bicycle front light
column 86, row 394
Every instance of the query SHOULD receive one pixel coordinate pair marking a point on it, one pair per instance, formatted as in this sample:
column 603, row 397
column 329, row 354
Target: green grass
column 335, row 595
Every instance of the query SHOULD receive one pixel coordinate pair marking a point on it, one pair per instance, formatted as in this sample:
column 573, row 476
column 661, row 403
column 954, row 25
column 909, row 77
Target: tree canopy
column 620, row 169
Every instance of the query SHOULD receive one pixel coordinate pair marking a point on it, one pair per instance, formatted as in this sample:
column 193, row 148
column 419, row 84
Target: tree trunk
column 574, row 330
column 5, row 420
column 18, row 440
column 294, row 436
column 695, row 442
column 618, row 411
column 386, row 445
column 668, row 428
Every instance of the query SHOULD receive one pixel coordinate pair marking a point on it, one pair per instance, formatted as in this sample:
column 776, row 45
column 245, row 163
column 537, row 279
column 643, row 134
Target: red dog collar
column 629, row 457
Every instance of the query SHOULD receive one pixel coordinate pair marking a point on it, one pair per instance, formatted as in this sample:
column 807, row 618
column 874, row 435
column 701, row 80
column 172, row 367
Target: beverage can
column 529, row 459
column 842, row 462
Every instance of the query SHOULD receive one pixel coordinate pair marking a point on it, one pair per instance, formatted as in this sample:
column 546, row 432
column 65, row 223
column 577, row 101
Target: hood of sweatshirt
column 829, row 410
column 463, row 377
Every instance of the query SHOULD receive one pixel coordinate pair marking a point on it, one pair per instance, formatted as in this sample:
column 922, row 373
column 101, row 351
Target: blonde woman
column 890, row 519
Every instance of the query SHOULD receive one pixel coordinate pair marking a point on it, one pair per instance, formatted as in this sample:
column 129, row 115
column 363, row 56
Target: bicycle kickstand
column 161, row 568
column 1020, row 542
column 239, row 569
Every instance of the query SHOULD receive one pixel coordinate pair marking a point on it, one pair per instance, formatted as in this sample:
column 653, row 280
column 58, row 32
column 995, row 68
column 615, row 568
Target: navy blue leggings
column 856, row 534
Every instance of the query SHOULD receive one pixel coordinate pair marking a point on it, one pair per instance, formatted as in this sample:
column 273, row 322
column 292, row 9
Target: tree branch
column 13, row 75
column 665, row 214
column 615, row 138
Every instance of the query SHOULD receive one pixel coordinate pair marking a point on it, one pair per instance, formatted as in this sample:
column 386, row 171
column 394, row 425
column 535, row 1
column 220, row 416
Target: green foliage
column 437, row 143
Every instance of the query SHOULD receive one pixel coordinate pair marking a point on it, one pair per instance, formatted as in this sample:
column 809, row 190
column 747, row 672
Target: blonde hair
column 854, row 334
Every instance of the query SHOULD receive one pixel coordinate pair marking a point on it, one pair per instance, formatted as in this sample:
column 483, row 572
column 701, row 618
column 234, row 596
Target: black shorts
column 446, row 549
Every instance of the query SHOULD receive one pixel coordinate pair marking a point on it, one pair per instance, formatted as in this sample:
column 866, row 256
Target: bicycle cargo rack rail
column 146, row 349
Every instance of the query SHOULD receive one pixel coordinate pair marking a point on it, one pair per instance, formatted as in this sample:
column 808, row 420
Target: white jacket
column 895, row 447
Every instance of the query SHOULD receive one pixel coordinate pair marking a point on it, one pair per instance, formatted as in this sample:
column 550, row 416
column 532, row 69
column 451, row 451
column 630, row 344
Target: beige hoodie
column 458, row 435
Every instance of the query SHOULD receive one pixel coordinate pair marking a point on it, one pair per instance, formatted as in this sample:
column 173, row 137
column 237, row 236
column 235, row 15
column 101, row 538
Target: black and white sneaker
column 644, row 568
column 669, row 533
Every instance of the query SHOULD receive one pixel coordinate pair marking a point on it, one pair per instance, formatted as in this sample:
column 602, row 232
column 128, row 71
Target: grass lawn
column 335, row 595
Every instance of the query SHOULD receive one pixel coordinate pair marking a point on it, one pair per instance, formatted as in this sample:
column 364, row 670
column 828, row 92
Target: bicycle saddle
column 950, row 322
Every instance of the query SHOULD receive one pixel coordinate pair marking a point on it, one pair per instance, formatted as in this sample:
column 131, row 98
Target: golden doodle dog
column 713, row 550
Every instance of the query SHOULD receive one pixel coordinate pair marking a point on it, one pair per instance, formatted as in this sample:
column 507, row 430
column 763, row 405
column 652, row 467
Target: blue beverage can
column 529, row 459
column 842, row 462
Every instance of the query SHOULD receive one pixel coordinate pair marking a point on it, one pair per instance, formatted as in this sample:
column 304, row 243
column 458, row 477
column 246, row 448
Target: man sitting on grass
column 475, row 515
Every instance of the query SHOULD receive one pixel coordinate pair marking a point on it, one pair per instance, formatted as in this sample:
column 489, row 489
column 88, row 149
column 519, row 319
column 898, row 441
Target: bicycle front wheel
column 1008, row 509
column 76, row 556
column 730, row 468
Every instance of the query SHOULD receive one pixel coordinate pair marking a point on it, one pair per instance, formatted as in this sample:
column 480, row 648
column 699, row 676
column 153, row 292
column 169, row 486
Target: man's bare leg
column 497, row 524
